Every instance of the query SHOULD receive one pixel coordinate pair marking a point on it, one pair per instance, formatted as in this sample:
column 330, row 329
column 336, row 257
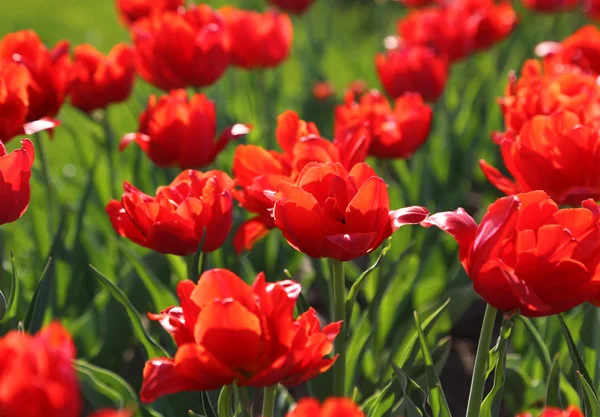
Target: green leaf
column 437, row 399
column 152, row 349
column 209, row 410
column 12, row 304
column 539, row 344
column 491, row 404
column 107, row 383
column 553, row 395
column 39, row 302
column 192, row 414
column 161, row 296
column 224, row 402
column 426, row 323
column 355, row 289
column 414, row 394
column 575, row 356
column 591, row 397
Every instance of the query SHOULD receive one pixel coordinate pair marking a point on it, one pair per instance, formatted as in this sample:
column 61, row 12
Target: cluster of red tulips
column 526, row 256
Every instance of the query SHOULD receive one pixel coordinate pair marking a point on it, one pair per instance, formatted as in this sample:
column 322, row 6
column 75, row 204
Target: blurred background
column 335, row 42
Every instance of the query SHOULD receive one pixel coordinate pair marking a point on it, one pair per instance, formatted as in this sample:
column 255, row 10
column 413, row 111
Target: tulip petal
column 225, row 325
column 219, row 284
column 161, row 378
column 173, row 321
column 141, row 139
column 408, row 215
column 251, row 231
column 524, row 293
column 458, row 224
column 498, row 180
column 44, row 123
column 301, row 227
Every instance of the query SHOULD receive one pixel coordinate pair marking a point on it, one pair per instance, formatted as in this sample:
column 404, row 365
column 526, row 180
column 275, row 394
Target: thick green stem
column 39, row 144
column 269, row 401
column 481, row 360
column 191, row 262
column 339, row 314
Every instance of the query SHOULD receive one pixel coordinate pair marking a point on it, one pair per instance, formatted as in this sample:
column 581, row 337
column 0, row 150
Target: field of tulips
column 299, row 208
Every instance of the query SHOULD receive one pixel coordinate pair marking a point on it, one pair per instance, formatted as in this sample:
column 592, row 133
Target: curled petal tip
column 544, row 49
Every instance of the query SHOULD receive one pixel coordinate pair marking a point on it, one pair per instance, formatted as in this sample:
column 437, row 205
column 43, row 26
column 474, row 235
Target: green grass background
column 335, row 42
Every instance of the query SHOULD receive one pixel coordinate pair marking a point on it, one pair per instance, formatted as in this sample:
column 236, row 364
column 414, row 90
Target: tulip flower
column 591, row 8
column 557, row 154
column 223, row 313
column 97, row 81
column 187, row 48
column 48, row 71
column 537, row 92
column 37, row 378
column 332, row 213
column 177, row 130
column 258, row 171
column 527, row 255
column 332, row 407
column 133, row 10
column 258, row 40
column 550, row 5
column 14, row 103
column 15, row 173
column 581, row 50
column 194, row 205
column 396, row 133
column 293, row 6
column 323, row 91
column 412, row 68
column 459, row 29
column 572, row 411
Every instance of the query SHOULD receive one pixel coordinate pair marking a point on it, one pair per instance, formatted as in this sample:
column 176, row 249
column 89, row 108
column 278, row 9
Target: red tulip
column 134, row 10
column 528, row 255
column 412, row 68
column 396, row 133
column 37, row 378
column 556, row 154
column 257, row 170
column 293, row 6
column 14, row 103
column 538, row 93
column 223, row 313
column 175, row 130
column 15, row 172
column 459, row 29
column 97, row 81
column 193, row 205
column 581, row 50
column 572, row 411
column 332, row 213
column 181, row 49
column 332, row 407
column 48, row 70
column 323, row 91
column 591, row 8
column 357, row 87
column 550, row 5
column 258, row 40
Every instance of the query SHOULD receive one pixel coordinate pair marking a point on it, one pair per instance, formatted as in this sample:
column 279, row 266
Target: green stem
column 243, row 400
column 192, row 261
column 39, row 144
column 269, row 401
column 109, row 142
column 339, row 314
column 481, row 359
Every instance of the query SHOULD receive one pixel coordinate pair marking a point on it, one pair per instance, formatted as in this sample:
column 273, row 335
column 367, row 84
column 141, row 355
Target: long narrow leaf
column 436, row 399
column 12, row 303
column 590, row 396
column 151, row 347
column 39, row 302
column 491, row 404
column 539, row 344
column 553, row 395
column 413, row 393
column 224, row 406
